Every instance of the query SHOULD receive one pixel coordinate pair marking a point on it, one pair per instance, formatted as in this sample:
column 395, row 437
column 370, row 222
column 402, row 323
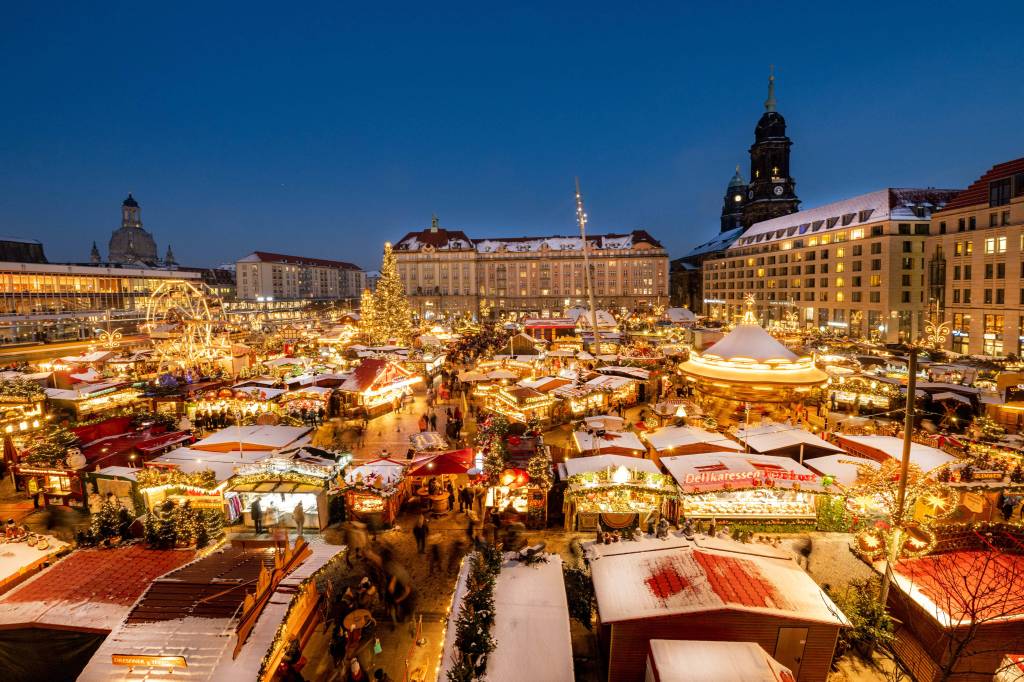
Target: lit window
column 857, row 234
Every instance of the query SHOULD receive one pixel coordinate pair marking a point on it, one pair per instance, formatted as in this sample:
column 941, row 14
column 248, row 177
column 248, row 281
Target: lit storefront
column 745, row 487
column 377, row 386
column 280, row 484
column 614, row 492
column 521, row 404
column 374, row 491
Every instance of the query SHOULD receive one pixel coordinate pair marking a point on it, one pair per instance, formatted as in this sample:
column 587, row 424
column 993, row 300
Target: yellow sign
column 146, row 660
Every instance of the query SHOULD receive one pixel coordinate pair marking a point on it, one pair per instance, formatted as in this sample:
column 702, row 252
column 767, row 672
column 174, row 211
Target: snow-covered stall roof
column 531, row 623
column 670, row 437
column 388, row 471
column 205, row 642
column 716, row 470
column 687, row 660
column 924, row 456
column 261, row 392
column 90, row 590
column 582, row 465
column 428, row 440
column 611, row 442
column 631, row 372
column 843, row 468
column 769, row 437
column 656, row 583
column 222, row 464
column 19, row 557
column 252, row 438
column 680, row 315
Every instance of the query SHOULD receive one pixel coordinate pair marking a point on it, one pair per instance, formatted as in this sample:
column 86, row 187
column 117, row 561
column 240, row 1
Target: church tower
column 130, row 214
column 130, row 244
column 734, row 203
column 772, row 191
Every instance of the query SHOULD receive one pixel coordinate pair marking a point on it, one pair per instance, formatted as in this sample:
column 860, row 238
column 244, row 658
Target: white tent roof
column 924, row 456
column 531, row 623
column 757, row 584
column 775, row 436
column 750, row 341
column 282, row 362
column 843, row 468
column 680, row 315
column 581, row 465
column 611, row 441
column 685, row 660
column 605, row 421
column 265, row 437
column 678, row 436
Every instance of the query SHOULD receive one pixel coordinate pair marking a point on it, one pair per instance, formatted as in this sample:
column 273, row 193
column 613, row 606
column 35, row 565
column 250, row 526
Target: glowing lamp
column 621, row 475
column 23, row 426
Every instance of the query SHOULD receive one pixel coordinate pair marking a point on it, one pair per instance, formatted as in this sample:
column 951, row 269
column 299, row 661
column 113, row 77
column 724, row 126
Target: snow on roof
column 687, row 660
column 261, row 392
column 206, row 643
column 924, row 456
column 254, row 437
column 20, row 556
column 656, row 583
column 677, row 436
column 775, row 436
column 282, row 362
column 90, row 589
column 633, row 372
column 719, row 242
column 389, row 471
column 752, row 342
column 680, row 315
column 428, row 440
column 531, row 623
column 86, row 358
column 612, row 442
column 843, row 468
column 581, row 316
column 580, row 465
column 873, row 207
column 716, row 470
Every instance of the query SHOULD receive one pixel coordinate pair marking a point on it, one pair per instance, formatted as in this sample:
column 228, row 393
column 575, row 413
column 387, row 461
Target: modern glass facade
column 45, row 303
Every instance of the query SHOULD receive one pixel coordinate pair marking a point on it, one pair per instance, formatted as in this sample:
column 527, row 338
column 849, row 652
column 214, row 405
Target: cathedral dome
column 737, row 180
column 132, row 245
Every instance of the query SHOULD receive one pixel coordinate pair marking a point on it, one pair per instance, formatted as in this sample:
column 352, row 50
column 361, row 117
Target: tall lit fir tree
column 367, row 313
column 392, row 319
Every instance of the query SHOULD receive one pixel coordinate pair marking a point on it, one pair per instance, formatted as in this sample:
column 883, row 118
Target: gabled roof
column 268, row 257
column 977, row 192
column 366, row 373
column 440, row 239
column 647, row 582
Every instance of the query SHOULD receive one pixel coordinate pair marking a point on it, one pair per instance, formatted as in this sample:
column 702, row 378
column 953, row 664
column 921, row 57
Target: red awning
column 453, row 462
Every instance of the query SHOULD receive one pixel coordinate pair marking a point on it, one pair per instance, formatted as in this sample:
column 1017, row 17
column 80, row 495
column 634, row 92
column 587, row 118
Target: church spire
column 769, row 104
column 169, row 258
column 94, row 255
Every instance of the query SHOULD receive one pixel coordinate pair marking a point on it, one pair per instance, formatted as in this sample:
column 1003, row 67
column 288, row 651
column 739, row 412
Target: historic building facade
column 770, row 193
column 978, row 254
column 264, row 276
column 857, row 266
column 131, row 244
column 445, row 272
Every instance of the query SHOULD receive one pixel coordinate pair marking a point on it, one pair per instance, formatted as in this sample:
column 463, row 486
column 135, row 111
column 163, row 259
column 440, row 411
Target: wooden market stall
column 521, row 404
column 430, row 474
column 280, row 484
column 710, row 589
column 689, row 660
column 375, row 490
column 614, row 492
column 745, row 487
column 377, row 386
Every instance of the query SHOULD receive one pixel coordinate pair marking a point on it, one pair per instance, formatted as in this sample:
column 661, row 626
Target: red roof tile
column 977, row 192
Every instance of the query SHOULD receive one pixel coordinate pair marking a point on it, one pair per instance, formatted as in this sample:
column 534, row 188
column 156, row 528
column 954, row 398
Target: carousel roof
column 750, row 342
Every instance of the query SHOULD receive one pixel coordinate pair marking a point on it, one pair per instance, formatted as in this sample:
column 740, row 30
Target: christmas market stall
column 195, row 624
column 688, row 660
column 89, row 400
column 681, row 440
column 22, row 407
column 529, row 631
column 430, row 474
column 710, row 588
column 608, row 442
column 281, row 483
column 306, row 400
column 375, row 490
column 521, row 404
column 774, row 438
column 614, row 492
column 882, row 448
column 376, row 387
column 745, row 487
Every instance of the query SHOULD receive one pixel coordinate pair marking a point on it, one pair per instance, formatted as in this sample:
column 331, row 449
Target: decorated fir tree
column 52, row 448
column 491, row 440
column 392, row 319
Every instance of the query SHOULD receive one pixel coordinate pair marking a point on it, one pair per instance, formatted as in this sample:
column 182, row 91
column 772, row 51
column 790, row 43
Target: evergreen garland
column 52, row 447
column 579, row 593
column 473, row 639
column 21, row 388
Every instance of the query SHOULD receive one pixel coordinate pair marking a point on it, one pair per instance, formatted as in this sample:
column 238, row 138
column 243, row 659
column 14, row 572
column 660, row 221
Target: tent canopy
column 452, row 462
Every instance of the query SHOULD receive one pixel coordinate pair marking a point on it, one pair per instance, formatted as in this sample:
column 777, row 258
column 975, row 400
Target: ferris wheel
column 182, row 327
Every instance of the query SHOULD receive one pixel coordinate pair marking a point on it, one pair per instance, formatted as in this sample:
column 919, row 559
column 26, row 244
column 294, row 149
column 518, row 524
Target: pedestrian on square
column 299, row 517
column 257, row 516
column 433, row 421
column 451, row 497
column 419, row 532
column 434, row 559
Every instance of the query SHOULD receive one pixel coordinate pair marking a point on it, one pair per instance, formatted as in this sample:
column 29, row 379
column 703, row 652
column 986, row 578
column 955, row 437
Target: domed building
column 131, row 244
column 749, row 365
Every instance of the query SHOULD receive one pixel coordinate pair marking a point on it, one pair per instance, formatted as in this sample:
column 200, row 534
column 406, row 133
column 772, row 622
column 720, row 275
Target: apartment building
column 979, row 246
column 857, row 266
column 445, row 272
column 276, row 277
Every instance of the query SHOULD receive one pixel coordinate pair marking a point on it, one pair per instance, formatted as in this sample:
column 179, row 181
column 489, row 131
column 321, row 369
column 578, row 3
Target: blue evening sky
column 325, row 129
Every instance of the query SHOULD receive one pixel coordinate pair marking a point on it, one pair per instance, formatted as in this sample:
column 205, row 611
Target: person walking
column 433, row 421
column 451, row 497
column 355, row 539
column 299, row 517
column 434, row 554
column 419, row 532
column 257, row 515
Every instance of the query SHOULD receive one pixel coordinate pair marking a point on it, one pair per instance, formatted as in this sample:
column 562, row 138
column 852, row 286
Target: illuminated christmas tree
column 367, row 312
column 391, row 319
